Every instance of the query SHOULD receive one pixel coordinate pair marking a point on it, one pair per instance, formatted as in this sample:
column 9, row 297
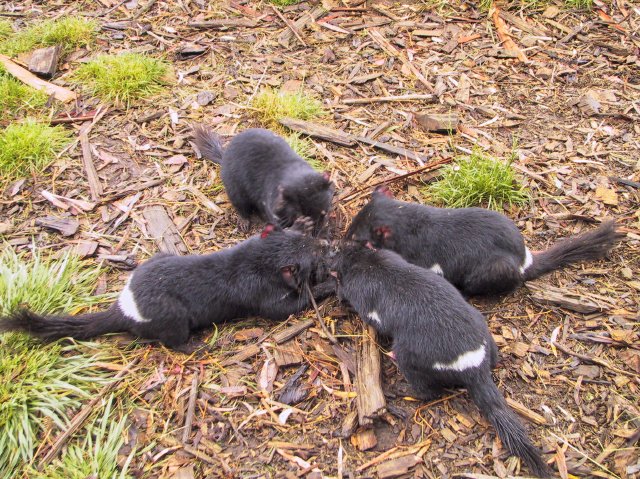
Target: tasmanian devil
column 439, row 340
column 264, row 177
column 169, row 296
column 479, row 251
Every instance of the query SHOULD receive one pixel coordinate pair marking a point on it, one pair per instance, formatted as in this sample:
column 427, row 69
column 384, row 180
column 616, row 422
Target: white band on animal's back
column 437, row 269
column 127, row 304
column 528, row 260
column 470, row 359
column 374, row 317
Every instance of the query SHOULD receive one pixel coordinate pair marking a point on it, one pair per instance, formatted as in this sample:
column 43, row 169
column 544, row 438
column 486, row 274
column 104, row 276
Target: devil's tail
column 208, row 143
column 509, row 428
column 49, row 328
column 591, row 245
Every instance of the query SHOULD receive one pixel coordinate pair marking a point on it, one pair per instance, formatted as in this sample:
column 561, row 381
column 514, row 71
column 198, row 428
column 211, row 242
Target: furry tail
column 49, row 328
column 208, row 143
column 591, row 245
column 510, row 430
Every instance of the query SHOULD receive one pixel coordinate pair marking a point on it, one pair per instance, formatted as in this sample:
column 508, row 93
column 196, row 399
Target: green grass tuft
column 29, row 147
column 45, row 284
column 477, row 180
column 273, row 105
column 16, row 97
column 70, row 32
column 123, row 78
column 41, row 381
column 6, row 29
column 95, row 456
column 304, row 148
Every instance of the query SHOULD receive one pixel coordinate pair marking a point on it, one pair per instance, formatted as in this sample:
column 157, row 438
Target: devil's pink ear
column 326, row 175
column 383, row 232
column 383, row 190
column 268, row 229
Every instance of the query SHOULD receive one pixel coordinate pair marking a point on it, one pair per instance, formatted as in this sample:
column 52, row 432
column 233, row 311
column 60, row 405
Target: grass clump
column 272, row 106
column 477, row 180
column 40, row 384
column 29, row 147
column 15, row 96
column 95, row 456
column 44, row 284
column 70, row 32
column 304, row 149
column 123, row 78
column 6, row 30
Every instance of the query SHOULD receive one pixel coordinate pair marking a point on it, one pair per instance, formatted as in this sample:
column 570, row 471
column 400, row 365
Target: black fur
column 262, row 276
column 590, row 245
column 479, row 251
column 431, row 324
column 264, row 177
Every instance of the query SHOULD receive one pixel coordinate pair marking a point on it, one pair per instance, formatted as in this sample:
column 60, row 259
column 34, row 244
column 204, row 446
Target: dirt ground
column 568, row 102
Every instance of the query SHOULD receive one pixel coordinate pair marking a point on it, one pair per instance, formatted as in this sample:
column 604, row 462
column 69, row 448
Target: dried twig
column 377, row 37
column 370, row 400
column 382, row 99
column 593, row 359
column 507, row 41
column 289, row 24
column 95, row 187
column 191, row 407
column 424, row 169
column 25, row 76
column 325, row 330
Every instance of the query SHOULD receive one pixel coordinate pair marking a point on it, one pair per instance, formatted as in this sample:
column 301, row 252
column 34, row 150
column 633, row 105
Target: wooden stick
column 191, row 408
column 325, row 330
column 370, row 400
column 507, row 41
column 224, row 23
column 25, row 76
column 82, row 416
column 341, row 138
column 72, row 119
column 593, row 359
column 289, row 24
column 377, row 37
column 430, row 167
column 319, row 131
column 300, row 23
column 380, row 99
column 397, row 150
column 526, row 412
column 90, row 168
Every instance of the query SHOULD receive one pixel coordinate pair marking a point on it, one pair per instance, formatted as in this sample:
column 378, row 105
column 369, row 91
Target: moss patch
column 16, row 97
column 123, row 78
column 477, row 180
column 271, row 106
column 70, row 32
column 29, row 147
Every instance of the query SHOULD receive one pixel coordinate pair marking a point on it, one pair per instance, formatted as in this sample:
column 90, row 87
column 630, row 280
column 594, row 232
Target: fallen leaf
column 176, row 160
column 268, row 375
column 607, row 195
column 247, row 334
